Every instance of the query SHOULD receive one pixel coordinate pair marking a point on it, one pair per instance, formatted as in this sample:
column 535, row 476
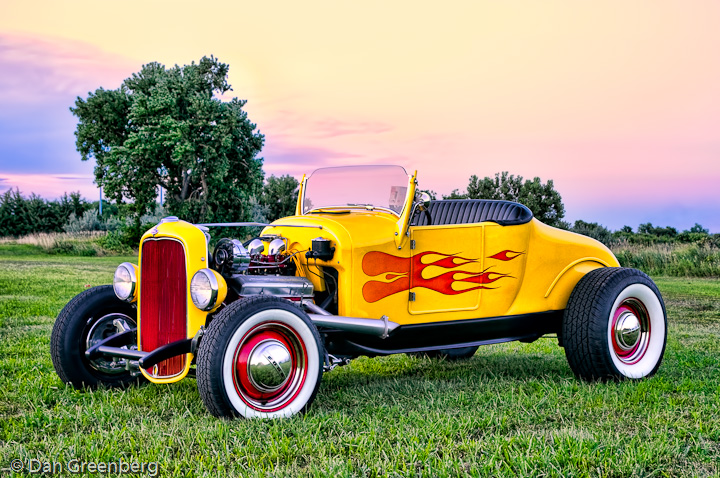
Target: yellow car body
column 416, row 274
column 260, row 321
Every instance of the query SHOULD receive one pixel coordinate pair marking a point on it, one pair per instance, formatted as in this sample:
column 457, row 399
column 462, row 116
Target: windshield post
column 301, row 195
column 401, row 227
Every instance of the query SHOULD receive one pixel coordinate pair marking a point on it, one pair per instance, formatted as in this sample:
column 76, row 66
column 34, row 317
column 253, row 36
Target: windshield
column 357, row 186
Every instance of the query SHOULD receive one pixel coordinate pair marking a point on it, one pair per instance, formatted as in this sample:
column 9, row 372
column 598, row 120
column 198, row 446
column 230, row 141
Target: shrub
column 691, row 260
column 92, row 221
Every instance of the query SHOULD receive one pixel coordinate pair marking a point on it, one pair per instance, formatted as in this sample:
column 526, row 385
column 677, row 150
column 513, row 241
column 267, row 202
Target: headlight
column 207, row 289
column 124, row 282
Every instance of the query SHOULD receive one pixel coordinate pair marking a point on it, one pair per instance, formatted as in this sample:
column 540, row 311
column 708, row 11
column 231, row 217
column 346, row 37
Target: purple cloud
column 330, row 128
column 290, row 123
column 34, row 70
column 39, row 80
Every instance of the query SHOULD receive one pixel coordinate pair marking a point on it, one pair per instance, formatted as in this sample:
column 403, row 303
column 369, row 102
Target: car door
column 447, row 268
column 476, row 268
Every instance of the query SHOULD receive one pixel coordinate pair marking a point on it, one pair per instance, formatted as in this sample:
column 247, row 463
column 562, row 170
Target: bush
column 92, row 221
column 681, row 260
column 113, row 242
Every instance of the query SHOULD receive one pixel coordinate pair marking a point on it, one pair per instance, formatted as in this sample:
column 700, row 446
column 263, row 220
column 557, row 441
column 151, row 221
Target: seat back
column 470, row 211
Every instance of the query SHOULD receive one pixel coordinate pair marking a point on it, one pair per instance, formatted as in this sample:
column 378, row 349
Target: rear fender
column 562, row 286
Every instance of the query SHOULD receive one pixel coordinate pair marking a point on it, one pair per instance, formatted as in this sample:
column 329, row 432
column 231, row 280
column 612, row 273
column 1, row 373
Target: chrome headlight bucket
column 125, row 282
column 207, row 289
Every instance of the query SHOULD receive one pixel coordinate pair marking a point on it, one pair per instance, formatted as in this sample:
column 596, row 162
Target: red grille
column 163, row 300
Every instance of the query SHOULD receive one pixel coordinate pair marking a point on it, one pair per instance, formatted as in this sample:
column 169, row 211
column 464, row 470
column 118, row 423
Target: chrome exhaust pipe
column 382, row 327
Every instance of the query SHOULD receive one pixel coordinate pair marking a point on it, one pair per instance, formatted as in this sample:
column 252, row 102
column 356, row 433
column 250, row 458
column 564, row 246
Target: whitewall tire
column 261, row 357
column 615, row 325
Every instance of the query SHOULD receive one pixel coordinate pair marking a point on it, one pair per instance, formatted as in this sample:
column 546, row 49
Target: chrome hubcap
column 627, row 330
column 269, row 365
column 630, row 331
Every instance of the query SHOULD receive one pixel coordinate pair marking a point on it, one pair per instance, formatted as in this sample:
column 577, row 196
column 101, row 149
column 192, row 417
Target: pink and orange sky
column 618, row 102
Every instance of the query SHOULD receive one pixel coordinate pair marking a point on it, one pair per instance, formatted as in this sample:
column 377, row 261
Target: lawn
column 512, row 410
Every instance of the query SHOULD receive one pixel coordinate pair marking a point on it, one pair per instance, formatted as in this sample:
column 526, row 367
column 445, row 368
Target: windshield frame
column 355, row 206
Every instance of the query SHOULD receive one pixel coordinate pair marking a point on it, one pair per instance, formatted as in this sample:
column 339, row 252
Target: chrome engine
column 260, row 266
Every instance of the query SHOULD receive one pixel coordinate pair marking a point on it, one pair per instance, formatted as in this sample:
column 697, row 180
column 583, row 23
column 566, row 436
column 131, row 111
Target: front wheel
column 261, row 357
column 91, row 316
column 615, row 325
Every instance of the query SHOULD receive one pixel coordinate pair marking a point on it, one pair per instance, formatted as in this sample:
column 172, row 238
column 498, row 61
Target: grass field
column 512, row 410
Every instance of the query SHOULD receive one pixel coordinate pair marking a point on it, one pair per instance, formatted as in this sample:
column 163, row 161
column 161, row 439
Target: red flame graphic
column 506, row 255
column 398, row 270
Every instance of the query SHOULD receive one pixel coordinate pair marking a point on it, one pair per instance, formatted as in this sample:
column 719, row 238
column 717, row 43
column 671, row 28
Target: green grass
column 512, row 410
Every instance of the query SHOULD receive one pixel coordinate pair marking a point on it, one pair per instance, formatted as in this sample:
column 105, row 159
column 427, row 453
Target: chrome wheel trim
column 280, row 388
column 636, row 352
column 631, row 331
column 101, row 329
column 627, row 331
column 288, row 405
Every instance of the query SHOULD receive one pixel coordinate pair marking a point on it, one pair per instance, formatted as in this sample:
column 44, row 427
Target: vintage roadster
column 366, row 266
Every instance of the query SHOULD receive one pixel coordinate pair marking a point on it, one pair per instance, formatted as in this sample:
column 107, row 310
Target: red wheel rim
column 270, row 365
column 630, row 331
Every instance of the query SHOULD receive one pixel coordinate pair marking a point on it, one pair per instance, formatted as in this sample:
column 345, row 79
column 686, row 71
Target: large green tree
column 542, row 198
column 168, row 127
column 279, row 195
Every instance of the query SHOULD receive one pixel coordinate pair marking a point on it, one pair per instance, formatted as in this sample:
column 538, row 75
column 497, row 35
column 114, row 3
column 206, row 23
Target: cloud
column 40, row 77
column 35, row 69
column 302, row 125
column 282, row 157
column 331, row 128
column 49, row 186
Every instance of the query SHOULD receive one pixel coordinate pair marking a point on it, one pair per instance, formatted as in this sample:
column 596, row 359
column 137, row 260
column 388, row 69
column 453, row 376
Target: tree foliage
column 167, row 127
column 594, row 230
column 542, row 199
column 20, row 216
column 658, row 231
column 279, row 195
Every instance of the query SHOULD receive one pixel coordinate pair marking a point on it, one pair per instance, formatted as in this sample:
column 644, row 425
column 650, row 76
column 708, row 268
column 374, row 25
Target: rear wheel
column 261, row 357
column 88, row 318
column 615, row 325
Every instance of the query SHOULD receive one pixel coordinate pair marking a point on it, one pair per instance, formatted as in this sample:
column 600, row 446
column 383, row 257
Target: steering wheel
column 419, row 207
column 428, row 216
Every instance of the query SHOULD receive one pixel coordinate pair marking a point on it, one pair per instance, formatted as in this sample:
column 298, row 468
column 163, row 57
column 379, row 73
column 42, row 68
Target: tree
column 20, row 216
column 651, row 230
column 166, row 127
column 279, row 196
column 698, row 229
column 594, row 230
column 542, row 199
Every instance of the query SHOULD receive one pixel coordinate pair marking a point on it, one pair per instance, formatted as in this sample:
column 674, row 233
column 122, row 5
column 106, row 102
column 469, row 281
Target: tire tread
column 584, row 328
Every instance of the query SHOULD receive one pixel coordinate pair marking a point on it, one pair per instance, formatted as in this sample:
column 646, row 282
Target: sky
column 617, row 102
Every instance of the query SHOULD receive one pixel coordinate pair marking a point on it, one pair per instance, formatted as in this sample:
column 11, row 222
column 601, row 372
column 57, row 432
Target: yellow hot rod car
column 366, row 266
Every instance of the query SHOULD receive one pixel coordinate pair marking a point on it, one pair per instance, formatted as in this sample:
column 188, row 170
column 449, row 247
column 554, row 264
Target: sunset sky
column 618, row 102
